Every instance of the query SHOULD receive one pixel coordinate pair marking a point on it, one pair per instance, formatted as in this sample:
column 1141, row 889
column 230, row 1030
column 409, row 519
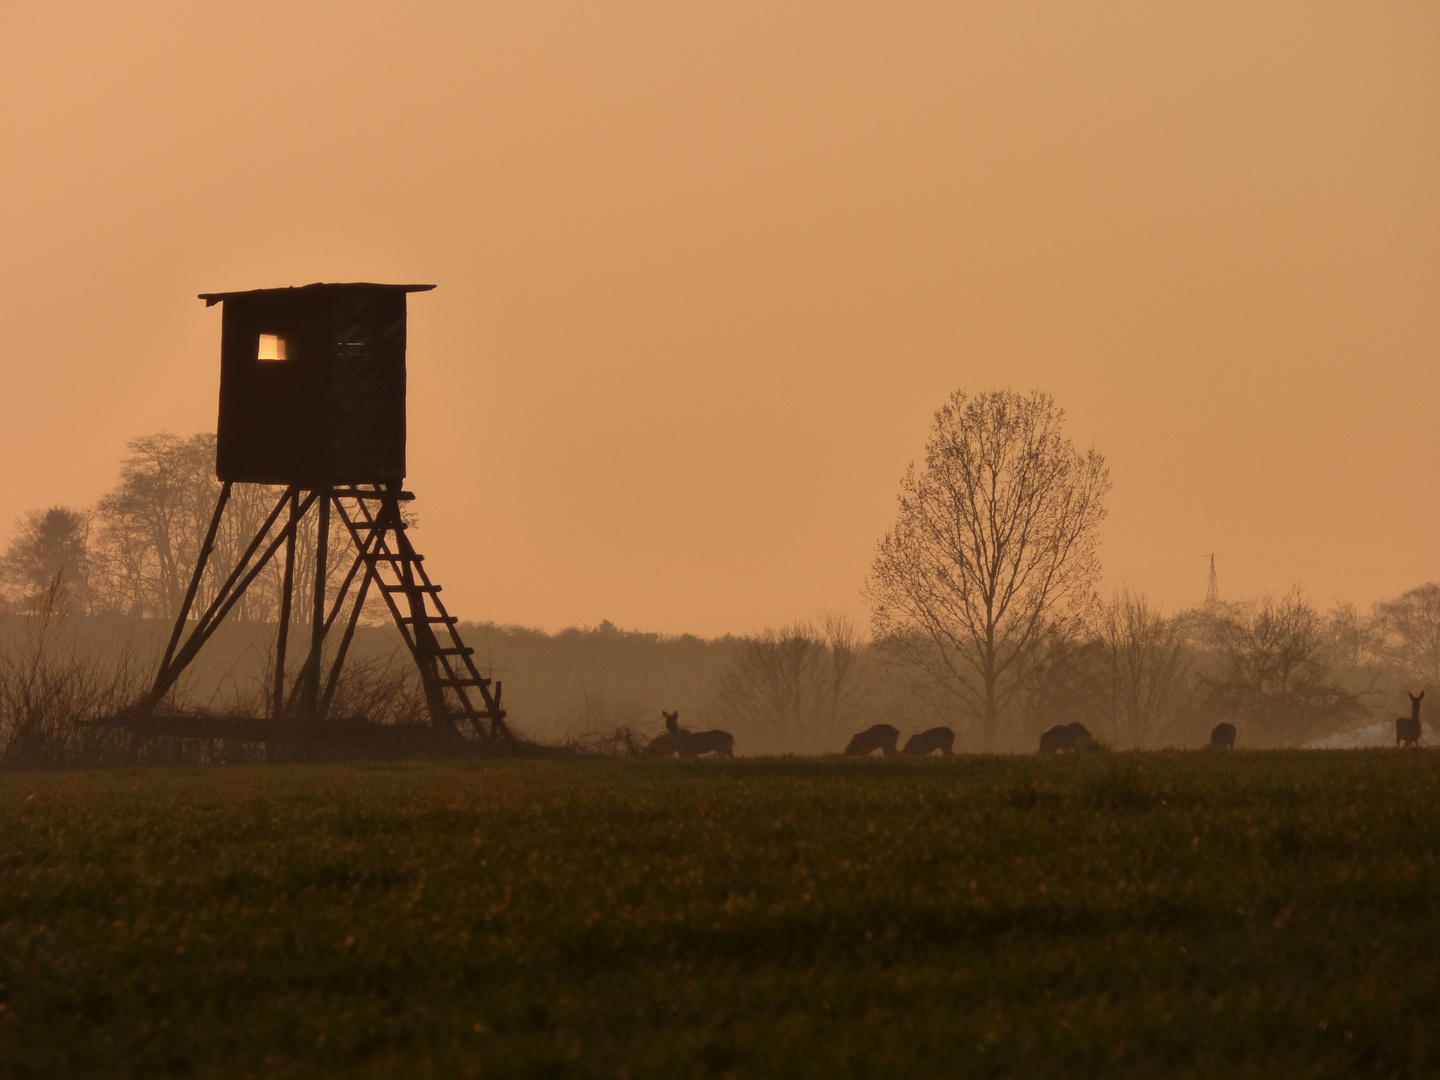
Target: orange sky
column 707, row 269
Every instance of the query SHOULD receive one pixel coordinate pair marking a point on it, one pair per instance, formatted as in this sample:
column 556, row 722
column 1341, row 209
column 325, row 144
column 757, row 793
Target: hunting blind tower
column 312, row 399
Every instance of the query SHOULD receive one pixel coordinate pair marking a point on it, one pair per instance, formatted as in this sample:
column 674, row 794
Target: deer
column 694, row 743
column 1056, row 739
column 1407, row 728
column 927, row 742
column 1223, row 737
column 663, row 745
column 1067, row 738
column 881, row 737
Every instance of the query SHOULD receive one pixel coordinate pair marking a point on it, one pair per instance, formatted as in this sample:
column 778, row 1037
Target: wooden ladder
column 455, row 691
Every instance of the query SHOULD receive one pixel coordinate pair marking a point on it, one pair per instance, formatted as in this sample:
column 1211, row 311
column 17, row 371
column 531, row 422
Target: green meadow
column 1167, row 915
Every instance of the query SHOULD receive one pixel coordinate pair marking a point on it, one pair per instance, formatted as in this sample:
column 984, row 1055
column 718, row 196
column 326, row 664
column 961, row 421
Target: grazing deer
column 660, row 746
column 927, row 742
column 881, row 737
column 1223, row 737
column 694, row 743
column 1067, row 738
column 1407, row 728
column 1056, row 739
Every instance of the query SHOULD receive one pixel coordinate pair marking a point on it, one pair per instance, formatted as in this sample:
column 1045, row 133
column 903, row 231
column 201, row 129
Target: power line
column 1160, row 566
column 1279, row 562
column 1323, row 566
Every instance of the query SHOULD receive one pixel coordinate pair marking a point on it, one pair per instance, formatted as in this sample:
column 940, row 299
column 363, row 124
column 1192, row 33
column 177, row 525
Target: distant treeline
column 971, row 626
column 1282, row 672
column 134, row 551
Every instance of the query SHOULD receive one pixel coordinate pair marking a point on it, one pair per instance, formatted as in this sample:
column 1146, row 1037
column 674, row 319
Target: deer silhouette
column 1067, row 738
column 694, row 743
column 663, row 745
column 1223, row 736
column 927, row 742
column 881, row 737
column 1407, row 728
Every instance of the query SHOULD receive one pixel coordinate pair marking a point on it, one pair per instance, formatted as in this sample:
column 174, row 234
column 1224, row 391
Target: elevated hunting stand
column 312, row 398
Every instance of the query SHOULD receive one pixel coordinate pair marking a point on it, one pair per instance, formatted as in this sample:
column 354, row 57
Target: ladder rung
column 352, row 493
column 371, row 528
column 385, row 557
column 406, row 588
column 461, row 650
column 429, row 618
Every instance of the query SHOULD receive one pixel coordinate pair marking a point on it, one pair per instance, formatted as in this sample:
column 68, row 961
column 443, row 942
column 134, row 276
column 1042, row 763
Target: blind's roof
column 211, row 298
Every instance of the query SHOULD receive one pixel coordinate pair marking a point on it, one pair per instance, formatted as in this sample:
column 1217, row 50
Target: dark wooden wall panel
column 334, row 410
column 367, row 381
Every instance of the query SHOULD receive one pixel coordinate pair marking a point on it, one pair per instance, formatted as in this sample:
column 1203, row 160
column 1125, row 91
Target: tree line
column 985, row 618
column 133, row 552
column 984, row 610
column 1284, row 672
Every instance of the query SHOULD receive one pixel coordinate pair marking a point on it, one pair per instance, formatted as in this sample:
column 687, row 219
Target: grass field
column 1168, row 915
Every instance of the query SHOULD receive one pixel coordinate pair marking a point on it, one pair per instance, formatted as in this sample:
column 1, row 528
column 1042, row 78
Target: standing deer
column 881, row 737
column 927, row 742
column 1223, row 737
column 1407, row 728
column 694, row 743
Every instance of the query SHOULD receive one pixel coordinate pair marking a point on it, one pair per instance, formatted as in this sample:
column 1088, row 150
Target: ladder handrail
column 433, row 659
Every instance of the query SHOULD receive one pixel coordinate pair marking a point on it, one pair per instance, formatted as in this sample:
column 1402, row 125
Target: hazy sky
column 707, row 269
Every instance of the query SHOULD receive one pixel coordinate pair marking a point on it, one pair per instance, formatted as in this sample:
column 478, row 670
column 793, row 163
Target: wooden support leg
column 195, row 578
column 318, row 623
column 287, row 591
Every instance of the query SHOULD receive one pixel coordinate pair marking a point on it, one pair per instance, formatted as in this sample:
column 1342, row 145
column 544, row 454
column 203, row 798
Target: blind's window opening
column 272, row 347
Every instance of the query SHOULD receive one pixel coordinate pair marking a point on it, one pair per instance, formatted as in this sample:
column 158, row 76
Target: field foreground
column 1169, row 915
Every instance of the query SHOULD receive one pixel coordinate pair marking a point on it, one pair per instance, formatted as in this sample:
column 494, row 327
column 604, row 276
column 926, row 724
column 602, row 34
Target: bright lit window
column 272, row 347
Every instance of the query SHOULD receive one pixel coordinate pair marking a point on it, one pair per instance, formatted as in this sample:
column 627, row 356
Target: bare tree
column 1061, row 681
column 848, row 685
column 795, row 689
column 153, row 521
column 1275, row 665
column 50, row 677
column 1148, row 664
column 1409, row 628
column 994, row 543
column 1356, row 641
column 49, row 560
column 244, row 514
